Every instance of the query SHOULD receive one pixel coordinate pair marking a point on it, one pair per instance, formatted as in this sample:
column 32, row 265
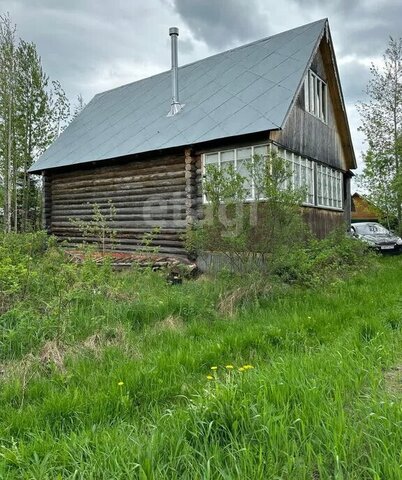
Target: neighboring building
column 128, row 148
column 363, row 210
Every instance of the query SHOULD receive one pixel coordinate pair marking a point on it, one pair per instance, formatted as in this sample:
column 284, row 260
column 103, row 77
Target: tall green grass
column 105, row 377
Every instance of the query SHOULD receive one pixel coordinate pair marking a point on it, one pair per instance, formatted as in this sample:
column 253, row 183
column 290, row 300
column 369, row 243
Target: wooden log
column 129, row 198
column 146, row 193
column 119, row 178
column 149, row 225
column 122, row 185
column 155, row 164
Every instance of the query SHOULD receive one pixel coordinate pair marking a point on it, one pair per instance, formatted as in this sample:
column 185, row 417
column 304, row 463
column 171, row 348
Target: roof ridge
column 254, row 42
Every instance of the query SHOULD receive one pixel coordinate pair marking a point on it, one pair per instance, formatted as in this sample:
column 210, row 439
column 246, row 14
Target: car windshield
column 370, row 229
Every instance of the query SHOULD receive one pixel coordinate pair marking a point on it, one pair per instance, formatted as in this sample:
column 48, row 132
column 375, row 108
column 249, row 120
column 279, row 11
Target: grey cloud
column 79, row 39
column 91, row 45
column 221, row 23
column 354, row 78
column 360, row 26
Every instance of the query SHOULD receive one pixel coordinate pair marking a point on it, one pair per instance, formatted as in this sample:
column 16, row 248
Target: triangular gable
column 324, row 50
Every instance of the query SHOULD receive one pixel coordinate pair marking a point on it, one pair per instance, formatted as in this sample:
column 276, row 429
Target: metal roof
column 244, row 90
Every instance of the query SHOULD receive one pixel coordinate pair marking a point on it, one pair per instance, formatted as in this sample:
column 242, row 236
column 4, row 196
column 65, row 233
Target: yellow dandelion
column 241, row 369
column 210, row 377
column 248, row 367
column 214, row 368
column 120, row 384
column 229, row 367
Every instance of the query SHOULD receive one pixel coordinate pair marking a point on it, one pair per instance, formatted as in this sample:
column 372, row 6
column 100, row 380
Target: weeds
column 106, row 375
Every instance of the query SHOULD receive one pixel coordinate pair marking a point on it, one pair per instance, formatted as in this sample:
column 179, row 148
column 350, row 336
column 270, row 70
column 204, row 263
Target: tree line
column 34, row 110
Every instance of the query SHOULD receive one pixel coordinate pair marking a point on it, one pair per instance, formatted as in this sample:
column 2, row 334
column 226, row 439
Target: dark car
column 377, row 236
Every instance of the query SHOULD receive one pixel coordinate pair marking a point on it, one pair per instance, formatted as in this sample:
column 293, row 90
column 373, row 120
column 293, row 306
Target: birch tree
column 7, row 97
column 381, row 122
column 60, row 108
column 33, row 125
column 78, row 107
column 33, row 112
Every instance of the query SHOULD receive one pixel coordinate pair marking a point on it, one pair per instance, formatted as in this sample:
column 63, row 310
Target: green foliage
column 320, row 261
column 147, row 241
column 105, row 374
column 250, row 235
column 33, row 112
column 381, row 123
column 16, row 263
column 97, row 230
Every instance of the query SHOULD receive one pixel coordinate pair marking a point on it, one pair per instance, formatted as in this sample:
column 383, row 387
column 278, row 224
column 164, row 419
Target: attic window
column 315, row 96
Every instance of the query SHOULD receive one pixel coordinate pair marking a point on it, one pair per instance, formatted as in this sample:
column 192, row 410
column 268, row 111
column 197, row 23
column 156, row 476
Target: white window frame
column 316, row 96
column 324, row 183
column 331, row 183
column 295, row 161
column 250, row 198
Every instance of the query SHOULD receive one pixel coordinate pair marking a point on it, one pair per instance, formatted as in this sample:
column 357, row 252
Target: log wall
column 153, row 193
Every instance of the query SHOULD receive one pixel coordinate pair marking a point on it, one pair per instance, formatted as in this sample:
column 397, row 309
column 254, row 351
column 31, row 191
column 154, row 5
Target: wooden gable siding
column 156, row 192
column 308, row 135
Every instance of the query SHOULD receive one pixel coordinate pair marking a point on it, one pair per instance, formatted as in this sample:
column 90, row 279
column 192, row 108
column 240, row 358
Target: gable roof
column 245, row 90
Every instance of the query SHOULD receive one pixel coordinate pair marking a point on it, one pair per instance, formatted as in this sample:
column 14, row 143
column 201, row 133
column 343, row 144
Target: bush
column 268, row 235
column 250, row 235
column 322, row 260
column 17, row 253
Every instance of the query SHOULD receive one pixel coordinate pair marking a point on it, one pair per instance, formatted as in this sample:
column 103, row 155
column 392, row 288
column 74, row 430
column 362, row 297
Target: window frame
column 323, row 180
column 316, row 96
column 250, row 198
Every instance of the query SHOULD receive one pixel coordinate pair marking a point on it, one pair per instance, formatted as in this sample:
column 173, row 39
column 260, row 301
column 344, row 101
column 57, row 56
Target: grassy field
column 122, row 376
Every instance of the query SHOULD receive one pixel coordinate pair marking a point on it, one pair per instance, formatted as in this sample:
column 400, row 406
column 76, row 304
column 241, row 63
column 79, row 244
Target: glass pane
column 311, row 182
column 324, row 187
column 323, row 102
column 311, row 82
column 227, row 160
column 319, row 185
column 306, row 93
column 262, row 151
column 211, row 159
column 243, row 167
column 317, row 96
column 296, row 173
column 243, row 153
column 244, row 172
column 227, row 156
column 334, row 190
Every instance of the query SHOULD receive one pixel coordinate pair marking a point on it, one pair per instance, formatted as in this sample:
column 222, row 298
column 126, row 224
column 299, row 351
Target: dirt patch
column 393, row 380
column 109, row 337
column 52, row 353
column 231, row 301
column 169, row 324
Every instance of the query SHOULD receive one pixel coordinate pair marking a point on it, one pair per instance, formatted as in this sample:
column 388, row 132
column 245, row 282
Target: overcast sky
column 94, row 45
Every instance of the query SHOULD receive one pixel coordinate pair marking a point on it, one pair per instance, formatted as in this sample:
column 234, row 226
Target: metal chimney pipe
column 176, row 106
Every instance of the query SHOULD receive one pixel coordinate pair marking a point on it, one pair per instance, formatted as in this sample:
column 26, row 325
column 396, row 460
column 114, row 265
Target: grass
column 104, row 376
